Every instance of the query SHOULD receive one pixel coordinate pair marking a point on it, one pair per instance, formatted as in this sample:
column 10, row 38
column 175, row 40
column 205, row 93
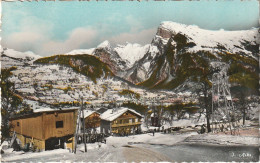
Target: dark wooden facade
column 46, row 126
column 92, row 121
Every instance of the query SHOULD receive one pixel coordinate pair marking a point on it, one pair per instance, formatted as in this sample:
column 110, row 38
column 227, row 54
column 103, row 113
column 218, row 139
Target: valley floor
column 188, row 146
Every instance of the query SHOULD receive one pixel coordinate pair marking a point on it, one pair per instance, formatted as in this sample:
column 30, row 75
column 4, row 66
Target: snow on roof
column 37, row 108
column 111, row 115
column 42, row 110
column 49, row 109
column 88, row 113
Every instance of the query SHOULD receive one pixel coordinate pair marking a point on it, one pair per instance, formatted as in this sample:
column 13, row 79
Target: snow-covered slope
column 131, row 52
column 90, row 51
column 108, row 55
column 16, row 54
column 208, row 39
column 81, row 51
column 60, row 85
column 10, row 57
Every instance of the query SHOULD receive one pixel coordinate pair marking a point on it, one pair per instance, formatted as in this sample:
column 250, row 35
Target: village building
column 155, row 120
column 91, row 119
column 120, row 121
column 46, row 129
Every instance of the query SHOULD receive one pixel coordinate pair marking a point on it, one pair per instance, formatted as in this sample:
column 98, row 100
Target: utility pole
column 79, row 123
column 77, row 131
column 84, row 133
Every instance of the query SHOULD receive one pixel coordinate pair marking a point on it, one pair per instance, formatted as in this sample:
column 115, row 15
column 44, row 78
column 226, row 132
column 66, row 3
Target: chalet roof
column 111, row 115
column 38, row 112
column 42, row 110
column 88, row 113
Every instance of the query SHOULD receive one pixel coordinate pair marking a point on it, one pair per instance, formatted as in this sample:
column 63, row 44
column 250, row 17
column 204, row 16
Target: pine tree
column 10, row 101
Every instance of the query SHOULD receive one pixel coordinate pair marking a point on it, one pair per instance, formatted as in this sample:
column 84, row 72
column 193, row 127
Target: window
column 59, row 124
column 18, row 124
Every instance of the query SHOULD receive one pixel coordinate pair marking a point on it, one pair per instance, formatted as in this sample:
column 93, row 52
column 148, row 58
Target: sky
column 48, row 28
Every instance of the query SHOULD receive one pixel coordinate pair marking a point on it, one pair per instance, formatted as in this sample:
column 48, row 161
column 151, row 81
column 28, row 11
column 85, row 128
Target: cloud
column 24, row 40
column 30, row 33
column 84, row 37
column 41, row 42
column 37, row 35
column 77, row 38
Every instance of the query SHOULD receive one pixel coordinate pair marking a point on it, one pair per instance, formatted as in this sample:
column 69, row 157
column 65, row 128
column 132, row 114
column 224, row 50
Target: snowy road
column 154, row 153
column 105, row 154
column 146, row 147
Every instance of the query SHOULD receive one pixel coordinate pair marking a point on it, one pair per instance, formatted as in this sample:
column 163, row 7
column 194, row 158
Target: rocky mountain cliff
column 160, row 64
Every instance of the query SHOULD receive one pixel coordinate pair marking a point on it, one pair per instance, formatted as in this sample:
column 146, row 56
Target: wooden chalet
column 120, row 121
column 91, row 119
column 46, row 129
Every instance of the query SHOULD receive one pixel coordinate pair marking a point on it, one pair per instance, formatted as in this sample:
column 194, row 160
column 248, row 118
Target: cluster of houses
column 47, row 129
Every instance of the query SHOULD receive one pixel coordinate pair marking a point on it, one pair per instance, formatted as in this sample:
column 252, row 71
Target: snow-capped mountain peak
column 105, row 45
column 192, row 39
column 10, row 57
column 16, row 54
column 208, row 39
column 131, row 52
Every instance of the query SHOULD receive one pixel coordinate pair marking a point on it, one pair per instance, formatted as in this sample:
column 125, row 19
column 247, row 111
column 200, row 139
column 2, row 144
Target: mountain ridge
column 157, row 61
column 186, row 38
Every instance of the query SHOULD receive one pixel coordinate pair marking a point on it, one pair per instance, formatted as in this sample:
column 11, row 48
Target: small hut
column 91, row 119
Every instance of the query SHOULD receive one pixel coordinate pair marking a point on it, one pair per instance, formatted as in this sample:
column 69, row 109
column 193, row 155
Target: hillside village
column 57, row 84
